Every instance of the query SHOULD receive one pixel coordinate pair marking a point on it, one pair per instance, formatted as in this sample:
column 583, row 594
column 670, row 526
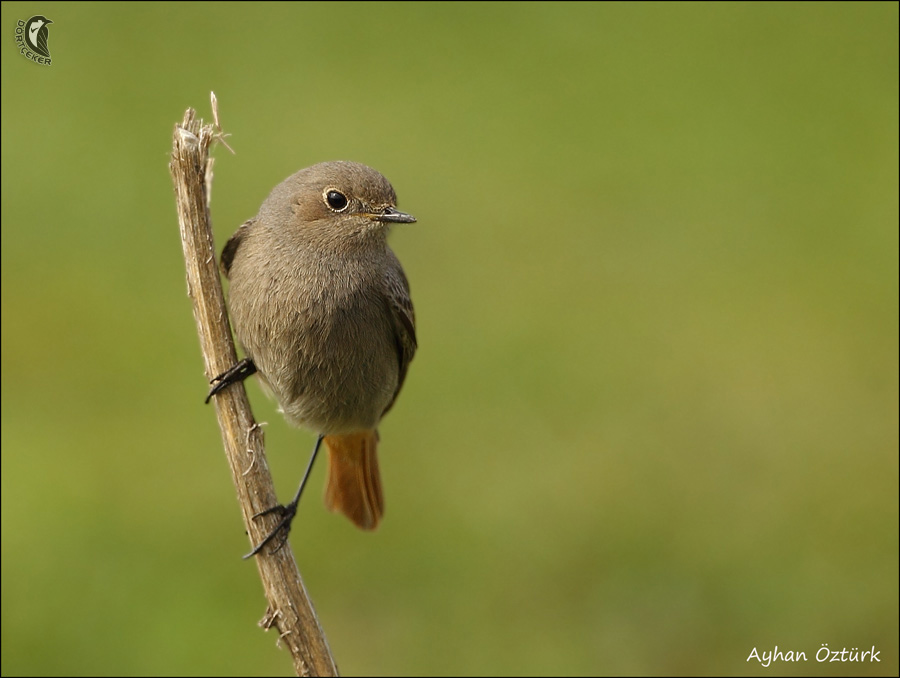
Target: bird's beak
column 393, row 215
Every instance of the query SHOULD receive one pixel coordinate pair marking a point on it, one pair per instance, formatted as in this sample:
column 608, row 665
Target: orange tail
column 354, row 485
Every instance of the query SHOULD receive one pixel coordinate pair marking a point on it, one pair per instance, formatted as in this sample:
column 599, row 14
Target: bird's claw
column 237, row 372
column 281, row 530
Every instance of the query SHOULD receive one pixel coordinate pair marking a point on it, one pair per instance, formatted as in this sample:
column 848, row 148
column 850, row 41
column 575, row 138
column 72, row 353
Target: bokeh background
column 652, row 423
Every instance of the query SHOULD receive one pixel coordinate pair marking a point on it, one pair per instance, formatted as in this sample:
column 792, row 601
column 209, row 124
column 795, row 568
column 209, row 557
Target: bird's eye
column 336, row 200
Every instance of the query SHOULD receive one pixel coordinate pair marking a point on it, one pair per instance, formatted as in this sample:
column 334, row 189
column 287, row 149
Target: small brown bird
column 321, row 306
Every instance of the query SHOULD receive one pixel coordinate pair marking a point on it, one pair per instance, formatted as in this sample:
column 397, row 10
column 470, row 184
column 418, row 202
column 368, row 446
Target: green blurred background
column 652, row 422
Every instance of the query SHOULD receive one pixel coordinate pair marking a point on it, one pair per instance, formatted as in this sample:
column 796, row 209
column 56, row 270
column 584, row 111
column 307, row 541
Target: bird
column 321, row 306
column 36, row 33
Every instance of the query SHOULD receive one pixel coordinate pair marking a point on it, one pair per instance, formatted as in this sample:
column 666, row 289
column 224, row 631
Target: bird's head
column 337, row 200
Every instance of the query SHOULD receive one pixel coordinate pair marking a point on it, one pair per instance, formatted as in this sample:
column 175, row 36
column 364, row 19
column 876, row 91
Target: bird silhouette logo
column 31, row 37
column 36, row 33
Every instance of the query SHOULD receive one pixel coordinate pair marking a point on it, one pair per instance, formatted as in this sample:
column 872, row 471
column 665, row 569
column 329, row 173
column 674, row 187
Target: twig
column 289, row 608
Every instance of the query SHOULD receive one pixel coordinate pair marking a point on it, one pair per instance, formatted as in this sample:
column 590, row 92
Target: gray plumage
column 318, row 300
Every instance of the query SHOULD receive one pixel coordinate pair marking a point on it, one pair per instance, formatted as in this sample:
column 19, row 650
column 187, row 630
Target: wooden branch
column 290, row 609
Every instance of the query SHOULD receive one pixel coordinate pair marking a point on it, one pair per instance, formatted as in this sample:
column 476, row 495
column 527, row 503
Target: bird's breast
column 321, row 339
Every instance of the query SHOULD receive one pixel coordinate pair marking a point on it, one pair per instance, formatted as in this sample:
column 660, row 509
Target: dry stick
column 290, row 609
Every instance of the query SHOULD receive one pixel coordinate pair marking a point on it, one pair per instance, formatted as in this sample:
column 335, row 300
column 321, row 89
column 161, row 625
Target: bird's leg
column 235, row 373
column 283, row 528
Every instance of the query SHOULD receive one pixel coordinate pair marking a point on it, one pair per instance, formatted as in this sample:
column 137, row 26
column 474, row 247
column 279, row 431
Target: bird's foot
column 279, row 534
column 234, row 374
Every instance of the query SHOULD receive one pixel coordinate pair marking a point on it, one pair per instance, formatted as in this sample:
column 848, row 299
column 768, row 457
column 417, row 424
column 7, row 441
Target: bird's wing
column 232, row 245
column 403, row 317
column 41, row 42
